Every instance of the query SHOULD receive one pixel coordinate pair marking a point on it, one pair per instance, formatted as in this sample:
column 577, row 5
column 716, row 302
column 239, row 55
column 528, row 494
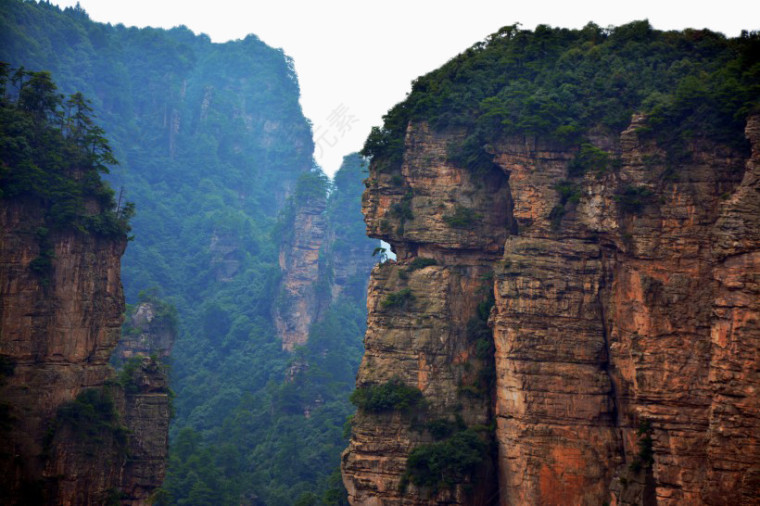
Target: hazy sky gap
column 357, row 59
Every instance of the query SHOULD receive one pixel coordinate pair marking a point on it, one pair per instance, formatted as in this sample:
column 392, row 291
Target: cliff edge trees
column 53, row 151
column 559, row 84
column 72, row 433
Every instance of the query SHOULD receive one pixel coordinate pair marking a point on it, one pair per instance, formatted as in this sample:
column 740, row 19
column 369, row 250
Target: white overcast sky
column 356, row 59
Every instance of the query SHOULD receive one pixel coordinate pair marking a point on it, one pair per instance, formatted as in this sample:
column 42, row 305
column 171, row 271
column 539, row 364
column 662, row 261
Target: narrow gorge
column 569, row 312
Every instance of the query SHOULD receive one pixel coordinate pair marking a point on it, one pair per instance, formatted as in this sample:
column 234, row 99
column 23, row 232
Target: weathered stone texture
column 298, row 304
column 57, row 332
column 618, row 321
column 150, row 333
column 425, row 341
column 147, row 411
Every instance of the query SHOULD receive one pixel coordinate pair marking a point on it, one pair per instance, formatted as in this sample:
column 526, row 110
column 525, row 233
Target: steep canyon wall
column 72, row 432
column 624, row 327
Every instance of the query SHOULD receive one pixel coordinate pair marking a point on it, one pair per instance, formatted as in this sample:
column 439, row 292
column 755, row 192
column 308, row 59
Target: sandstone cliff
column 304, row 227
column 428, row 341
column 69, row 424
column 624, row 328
column 324, row 254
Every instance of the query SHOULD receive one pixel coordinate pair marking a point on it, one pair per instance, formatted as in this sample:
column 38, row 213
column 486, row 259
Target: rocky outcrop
column 68, row 424
column 298, row 304
column 110, row 444
column 146, row 412
column 428, row 340
column 225, row 252
column 150, row 330
column 324, row 253
column 145, row 400
column 624, row 326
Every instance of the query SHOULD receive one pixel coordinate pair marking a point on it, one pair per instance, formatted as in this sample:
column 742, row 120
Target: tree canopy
column 560, row 83
column 52, row 150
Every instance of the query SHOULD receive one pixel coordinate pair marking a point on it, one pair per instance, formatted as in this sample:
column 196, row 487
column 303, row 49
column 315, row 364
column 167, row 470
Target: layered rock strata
column 426, row 342
column 58, row 328
column 624, row 325
column 298, row 303
column 324, row 254
column 146, row 413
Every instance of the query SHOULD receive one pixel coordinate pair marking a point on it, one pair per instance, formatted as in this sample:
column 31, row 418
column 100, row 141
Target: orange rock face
column 297, row 305
column 57, row 332
column 625, row 327
column 426, row 341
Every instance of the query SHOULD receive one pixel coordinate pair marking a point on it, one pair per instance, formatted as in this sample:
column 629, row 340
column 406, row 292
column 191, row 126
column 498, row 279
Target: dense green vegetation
column 481, row 336
column 92, row 416
column 446, row 463
column 393, row 395
column 463, row 217
column 400, row 299
column 644, row 458
column 420, row 263
column 280, row 443
column 52, row 151
column 442, row 428
column 559, row 84
column 210, row 140
column 266, row 446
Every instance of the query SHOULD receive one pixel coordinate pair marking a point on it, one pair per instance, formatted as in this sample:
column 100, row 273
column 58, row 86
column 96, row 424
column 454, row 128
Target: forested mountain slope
column 211, row 142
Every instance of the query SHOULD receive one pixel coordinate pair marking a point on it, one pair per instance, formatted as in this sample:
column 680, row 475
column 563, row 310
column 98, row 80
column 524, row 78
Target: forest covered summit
column 52, row 150
column 600, row 187
column 563, row 84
